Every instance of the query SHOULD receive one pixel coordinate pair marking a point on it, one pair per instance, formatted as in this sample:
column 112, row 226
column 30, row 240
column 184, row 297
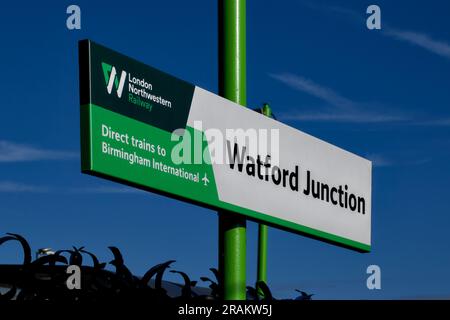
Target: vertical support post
column 232, row 86
column 262, row 233
column 262, row 255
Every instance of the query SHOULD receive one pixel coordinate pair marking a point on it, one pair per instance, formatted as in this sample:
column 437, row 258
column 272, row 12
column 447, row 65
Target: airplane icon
column 205, row 180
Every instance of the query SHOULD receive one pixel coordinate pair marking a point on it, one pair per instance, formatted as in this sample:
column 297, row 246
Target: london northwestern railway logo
column 112, row 79
column 139, row 89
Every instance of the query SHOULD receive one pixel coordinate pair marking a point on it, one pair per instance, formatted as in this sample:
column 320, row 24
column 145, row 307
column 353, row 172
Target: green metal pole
column 263, row 232
column 262, row 255
column 232, row 85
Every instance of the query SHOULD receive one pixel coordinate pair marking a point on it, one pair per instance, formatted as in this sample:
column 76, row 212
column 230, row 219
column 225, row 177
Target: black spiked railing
column 44, row 279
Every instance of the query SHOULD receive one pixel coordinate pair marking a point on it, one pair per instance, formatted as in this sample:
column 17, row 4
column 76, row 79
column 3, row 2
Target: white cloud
column 419, row 162
column 421, row 40
column 379, row 160
column 16, row 187
column 13, row 152
column 19, row 187
column 443, row 122
column 106, row 190
column 344, row 117
column 345, row 109
column 300, row 83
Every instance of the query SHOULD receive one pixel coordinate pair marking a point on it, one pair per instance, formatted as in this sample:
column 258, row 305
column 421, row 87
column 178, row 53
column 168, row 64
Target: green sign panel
column 137, row 125
column 127, row 124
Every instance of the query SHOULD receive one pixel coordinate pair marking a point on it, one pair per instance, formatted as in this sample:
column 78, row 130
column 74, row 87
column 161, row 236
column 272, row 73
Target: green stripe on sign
column 139, row 154
column 304, row 230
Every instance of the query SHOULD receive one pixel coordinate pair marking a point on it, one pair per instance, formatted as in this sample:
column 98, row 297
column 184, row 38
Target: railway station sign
column 145, row 128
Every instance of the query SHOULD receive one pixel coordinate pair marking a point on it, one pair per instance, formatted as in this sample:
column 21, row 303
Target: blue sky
column 383, row 94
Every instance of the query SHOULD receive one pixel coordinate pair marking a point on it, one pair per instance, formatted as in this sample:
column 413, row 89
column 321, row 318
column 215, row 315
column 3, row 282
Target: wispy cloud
column 344, row 109
column 343, row 117
column 352, row 15
column 419, row 162
column 308, row 86
column 16, row 187
column 419, row 39
column 422, row 40
column 105, row 190
column 380, row 160
column 19, row 187
column 442, row 122
column 13, row 152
